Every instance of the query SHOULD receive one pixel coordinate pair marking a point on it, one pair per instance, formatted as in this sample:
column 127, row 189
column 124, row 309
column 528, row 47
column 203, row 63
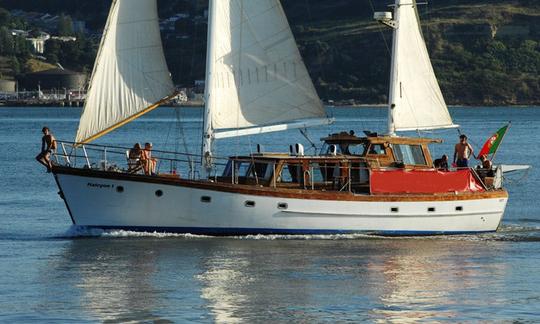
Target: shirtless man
column 462, row 152
column 48, row 145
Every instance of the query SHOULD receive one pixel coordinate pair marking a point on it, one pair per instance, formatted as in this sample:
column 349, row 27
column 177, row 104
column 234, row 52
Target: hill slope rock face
column 484, row 52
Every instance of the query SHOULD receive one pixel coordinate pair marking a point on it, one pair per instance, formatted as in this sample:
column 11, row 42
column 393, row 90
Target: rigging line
column 304, row 132
column 166, row 143
column 239, row 81
column 252, row 160
column 180, row 126
column 381, row 31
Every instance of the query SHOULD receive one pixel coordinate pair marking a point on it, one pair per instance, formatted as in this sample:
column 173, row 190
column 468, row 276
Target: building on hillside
column 38, row 42
column 64, row 38
column 19, row 33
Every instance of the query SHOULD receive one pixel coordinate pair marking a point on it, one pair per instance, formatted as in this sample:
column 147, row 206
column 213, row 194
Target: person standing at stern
column 462, row 152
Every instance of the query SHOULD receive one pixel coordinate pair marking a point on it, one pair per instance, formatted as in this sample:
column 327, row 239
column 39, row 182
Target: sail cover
column 414, row 90
column 256, row 75
column 130, row 74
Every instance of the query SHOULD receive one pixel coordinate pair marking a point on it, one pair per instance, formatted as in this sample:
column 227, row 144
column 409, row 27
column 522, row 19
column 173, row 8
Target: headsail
column 256, row 75
column 130, row 75
column 416, row 101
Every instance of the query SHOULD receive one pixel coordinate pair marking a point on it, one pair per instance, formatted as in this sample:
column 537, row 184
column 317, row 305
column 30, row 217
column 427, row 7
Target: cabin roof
column 347, row 138
column 286, row 157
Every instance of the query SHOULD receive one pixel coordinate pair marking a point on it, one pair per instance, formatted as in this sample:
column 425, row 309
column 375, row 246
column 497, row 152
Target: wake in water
column 507, row 232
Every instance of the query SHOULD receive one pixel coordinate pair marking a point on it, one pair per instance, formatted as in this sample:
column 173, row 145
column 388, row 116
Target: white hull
column 96, row 202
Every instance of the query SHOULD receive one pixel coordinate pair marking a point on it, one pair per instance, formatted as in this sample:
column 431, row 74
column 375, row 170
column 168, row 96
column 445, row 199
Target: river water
column 53, row 272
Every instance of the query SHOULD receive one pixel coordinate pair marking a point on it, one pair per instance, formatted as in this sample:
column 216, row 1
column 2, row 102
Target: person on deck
column 149, row 163
column 442, row 163
column 135, row 158
column 487, row 165
column 48, row 145
column 135, row 152
column 462, row 152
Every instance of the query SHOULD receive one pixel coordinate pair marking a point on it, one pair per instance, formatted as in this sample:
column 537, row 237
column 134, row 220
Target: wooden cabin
column 344, row 163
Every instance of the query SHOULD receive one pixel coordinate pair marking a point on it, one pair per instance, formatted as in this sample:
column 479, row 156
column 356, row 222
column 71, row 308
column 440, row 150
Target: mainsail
column 416, row 101
column 256, row 75
column 130, row 75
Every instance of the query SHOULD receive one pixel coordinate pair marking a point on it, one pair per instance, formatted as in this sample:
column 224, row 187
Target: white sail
column 130, row 74
column 415, row 94
column 256, row 75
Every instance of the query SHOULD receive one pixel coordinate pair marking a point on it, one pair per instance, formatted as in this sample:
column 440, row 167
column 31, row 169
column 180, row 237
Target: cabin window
column 261, row 170
column 227, row 172
column 290, row 173
column 324, row 172
column 377, row 149
column 249, row 203
column 242, row 169
column 359, row 173
column 282, row 205
column 410, row 154
column 248, row 169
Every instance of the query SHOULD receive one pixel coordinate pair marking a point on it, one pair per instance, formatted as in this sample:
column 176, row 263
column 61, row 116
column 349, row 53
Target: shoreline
column 193, row 106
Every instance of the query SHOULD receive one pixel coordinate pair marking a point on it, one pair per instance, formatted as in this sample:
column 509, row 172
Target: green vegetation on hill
column 484, row 52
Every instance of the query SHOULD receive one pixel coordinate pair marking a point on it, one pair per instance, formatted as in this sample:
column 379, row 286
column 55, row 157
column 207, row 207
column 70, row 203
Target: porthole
column 249, row 203
column 282, row 205
column 119, row 189
column 431, row 209
column 394, row 209
column 206, row 199
column 159, row 193
column 459, row 208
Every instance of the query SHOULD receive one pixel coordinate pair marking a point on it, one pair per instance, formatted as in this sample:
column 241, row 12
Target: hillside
column 484, row 52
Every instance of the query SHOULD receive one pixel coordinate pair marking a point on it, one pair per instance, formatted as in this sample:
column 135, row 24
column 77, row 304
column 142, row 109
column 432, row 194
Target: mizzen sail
column 130, row 75
column 416, row 100
column 256, row 75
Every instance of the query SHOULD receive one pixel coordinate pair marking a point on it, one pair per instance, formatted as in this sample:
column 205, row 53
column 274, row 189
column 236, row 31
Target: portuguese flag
column 492, row 144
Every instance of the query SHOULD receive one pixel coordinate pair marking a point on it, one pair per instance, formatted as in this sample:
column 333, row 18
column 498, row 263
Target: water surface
column 52, row 272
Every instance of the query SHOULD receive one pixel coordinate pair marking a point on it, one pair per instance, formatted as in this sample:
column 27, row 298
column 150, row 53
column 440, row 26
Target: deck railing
column 317, row 174
column 116, row 159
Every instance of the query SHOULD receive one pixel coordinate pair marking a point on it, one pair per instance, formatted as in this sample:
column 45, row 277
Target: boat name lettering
column 98, row 185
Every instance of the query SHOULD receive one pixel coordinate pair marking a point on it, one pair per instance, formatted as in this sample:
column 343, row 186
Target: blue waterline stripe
column 230, row 231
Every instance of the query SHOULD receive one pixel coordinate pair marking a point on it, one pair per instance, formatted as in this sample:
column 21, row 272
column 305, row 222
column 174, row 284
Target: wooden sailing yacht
column 256, row 82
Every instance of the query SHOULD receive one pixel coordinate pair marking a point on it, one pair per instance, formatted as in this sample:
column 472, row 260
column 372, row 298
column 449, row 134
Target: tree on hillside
column 65, row 25
column 6, row 42
column 5, row 17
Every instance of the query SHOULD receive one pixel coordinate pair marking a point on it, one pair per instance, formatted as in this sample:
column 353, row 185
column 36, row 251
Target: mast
column 208, row 131
column 394, row 79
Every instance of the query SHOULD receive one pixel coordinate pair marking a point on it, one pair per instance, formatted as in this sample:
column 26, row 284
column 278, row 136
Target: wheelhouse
column 344, row 163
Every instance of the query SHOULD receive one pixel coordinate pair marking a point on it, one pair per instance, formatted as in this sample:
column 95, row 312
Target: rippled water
column 53, row 272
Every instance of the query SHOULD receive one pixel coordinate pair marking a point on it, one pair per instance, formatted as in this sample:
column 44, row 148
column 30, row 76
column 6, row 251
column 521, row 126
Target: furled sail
column 130, row 75
column 256, row 75
column 415, row 94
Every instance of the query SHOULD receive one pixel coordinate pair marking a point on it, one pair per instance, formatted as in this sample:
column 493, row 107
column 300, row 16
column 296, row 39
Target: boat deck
column 333, row 177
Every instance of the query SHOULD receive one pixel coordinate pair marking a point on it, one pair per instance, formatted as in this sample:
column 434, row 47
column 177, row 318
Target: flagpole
column 493, row 156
